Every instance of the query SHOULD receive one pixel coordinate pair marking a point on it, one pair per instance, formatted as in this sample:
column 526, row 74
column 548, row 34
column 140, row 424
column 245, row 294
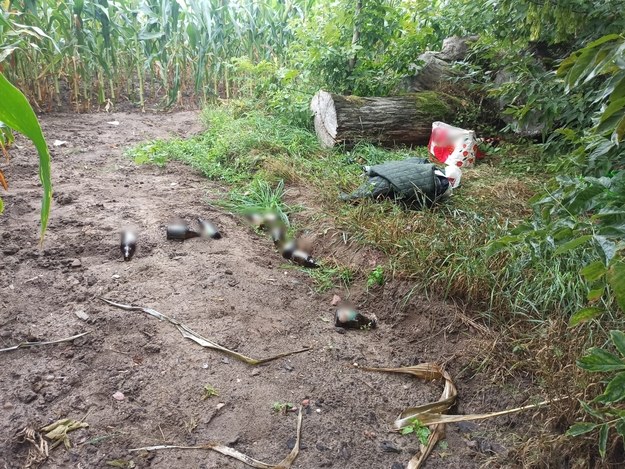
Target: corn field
column 94, row 53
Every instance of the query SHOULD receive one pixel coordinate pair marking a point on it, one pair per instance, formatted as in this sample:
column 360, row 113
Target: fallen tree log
column 397, row 120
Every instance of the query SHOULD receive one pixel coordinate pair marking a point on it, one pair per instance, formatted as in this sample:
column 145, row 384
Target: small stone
column 115, row 276
column 205, row 366
column 305, row 402
column 397, row 465
column 288, row 368
column 255, row 372
column 10, row 249
column 225, row 360
column 318, row 411
column 81, row 315
column 119, row 396
column 389, row 447
column 291, row 443
column 339, row 330
column 7, row 406
column 76, row 263
column 336, row 300
column 152, row 348
column 228, row 272
column 26, row 396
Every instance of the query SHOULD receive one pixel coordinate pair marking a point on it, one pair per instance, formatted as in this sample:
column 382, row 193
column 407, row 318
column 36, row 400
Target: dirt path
column 231, row 290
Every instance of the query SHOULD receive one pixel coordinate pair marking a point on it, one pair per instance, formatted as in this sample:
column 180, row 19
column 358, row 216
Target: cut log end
column 322, row 106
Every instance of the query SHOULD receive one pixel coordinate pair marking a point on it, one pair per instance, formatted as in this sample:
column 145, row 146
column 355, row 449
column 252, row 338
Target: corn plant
column 16, row 113
column 93, row 52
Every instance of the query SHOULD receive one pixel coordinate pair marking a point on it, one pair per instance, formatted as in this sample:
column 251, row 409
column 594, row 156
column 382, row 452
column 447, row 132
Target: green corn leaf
column 572, row 244
column 618, row 339
column 581, row 428
column 603, row 439
column 616, row 280
column 1, row 205
column 584, row 315
column 594, row 271
column 614, row 391
column 599, row 360
column 17, row 114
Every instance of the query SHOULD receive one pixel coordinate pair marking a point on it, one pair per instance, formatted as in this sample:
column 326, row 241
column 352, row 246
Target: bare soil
column 234, row 291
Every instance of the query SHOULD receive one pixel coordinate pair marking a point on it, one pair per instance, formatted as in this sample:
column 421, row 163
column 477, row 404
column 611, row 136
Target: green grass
column 259, row 197
column 326, row 278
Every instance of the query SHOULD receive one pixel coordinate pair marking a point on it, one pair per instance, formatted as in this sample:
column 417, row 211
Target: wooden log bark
column 398, row 120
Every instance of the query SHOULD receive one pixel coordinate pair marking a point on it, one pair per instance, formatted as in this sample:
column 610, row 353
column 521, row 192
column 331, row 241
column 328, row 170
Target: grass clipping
column 37, row 344
column 433, row 414
column 233, row 453
column 187, row 333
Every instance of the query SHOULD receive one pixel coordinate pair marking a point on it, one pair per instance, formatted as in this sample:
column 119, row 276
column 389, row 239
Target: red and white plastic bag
column 453, row 146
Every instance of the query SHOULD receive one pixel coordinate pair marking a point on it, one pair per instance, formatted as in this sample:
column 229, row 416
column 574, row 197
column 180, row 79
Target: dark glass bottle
column 349, row 318
column 288, row 248
column 208, row 229
column 278, row 235
column 304, row 259
column 180, row 231
column 128, row 244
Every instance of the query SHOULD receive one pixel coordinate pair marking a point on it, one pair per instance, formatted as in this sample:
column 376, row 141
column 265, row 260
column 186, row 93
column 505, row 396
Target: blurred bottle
column 180, row 231
column 128, row 244
column 288, row 248
column 348, row 318
column 304, row 259
column 278, row 235
column 208, row 229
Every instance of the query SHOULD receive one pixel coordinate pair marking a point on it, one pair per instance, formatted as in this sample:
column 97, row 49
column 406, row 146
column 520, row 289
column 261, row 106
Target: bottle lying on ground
column 180, row 231
column 348, row 318
column 278, row 235
column 208, row 229
column 128, row 244
column 288, row 248
column 304, row 259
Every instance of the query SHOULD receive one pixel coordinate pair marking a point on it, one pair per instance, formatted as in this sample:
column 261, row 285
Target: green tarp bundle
column 411, row 181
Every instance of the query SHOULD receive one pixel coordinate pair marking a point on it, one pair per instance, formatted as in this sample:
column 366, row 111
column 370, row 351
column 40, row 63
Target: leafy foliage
column 416, row 428
column 604, row 408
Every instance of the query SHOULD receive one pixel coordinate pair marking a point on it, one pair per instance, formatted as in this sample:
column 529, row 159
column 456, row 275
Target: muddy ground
column 232, row 290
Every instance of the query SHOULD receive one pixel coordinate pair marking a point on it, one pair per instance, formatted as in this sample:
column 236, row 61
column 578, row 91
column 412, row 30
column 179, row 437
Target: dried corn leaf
column 3, row 181
column 57, row 431
column 431, row 414
column 187, row 333
column 38, row 452
column 49, row 342
column 435, row 418
column 233, row 453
